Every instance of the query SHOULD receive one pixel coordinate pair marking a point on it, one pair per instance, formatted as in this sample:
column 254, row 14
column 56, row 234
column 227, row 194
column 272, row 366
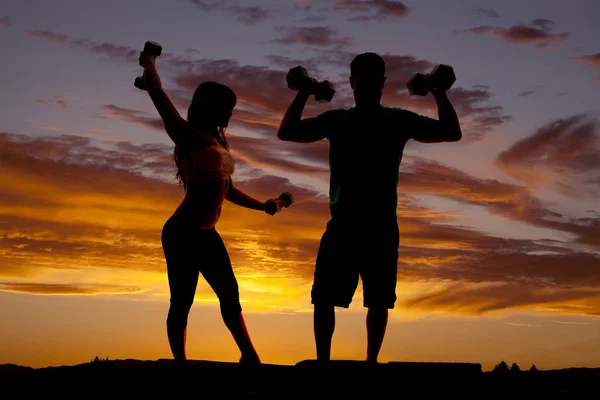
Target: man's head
column 367, row 77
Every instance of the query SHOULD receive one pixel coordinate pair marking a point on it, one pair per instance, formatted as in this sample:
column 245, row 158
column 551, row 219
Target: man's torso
column 364, row 157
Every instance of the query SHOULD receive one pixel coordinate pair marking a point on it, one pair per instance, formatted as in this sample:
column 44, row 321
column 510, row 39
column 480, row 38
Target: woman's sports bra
column 208, row 163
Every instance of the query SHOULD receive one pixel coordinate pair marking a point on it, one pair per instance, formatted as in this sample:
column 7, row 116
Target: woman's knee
column 178, row 315
column 230, row 306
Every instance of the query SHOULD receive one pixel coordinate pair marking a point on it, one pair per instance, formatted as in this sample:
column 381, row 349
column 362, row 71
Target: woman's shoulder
column 197, row 142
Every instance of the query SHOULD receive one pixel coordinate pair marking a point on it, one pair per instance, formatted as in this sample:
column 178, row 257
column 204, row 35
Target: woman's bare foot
column 250, row 360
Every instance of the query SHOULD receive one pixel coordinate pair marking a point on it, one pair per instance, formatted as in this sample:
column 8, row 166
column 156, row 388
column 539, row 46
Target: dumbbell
column 297, row 78
column 151, row 48
column 273, row 206
column 441, row 77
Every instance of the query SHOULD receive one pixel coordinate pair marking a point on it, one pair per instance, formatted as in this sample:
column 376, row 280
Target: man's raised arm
column 295, row 129
column 445, row 129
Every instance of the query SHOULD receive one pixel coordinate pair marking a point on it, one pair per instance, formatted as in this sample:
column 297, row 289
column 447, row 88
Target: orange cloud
column 65, row 289
column 77, row 208
column 563, row 154
column 74, row 206
column 480, row 299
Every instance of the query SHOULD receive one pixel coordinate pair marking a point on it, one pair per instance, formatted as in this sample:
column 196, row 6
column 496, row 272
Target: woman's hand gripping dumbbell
column 273, row 206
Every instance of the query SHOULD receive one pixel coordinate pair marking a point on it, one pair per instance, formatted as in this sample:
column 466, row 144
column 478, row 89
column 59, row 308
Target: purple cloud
column 538, row 33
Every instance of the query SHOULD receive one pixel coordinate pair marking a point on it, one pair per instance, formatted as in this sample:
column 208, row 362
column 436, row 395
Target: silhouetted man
column 362, row 237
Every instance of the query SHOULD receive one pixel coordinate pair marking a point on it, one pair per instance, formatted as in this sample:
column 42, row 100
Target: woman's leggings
column 190, row 251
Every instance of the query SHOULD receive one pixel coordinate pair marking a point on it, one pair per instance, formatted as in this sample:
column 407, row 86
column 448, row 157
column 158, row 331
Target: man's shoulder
column 335, row 113
column 397, row 111
column 400, row 117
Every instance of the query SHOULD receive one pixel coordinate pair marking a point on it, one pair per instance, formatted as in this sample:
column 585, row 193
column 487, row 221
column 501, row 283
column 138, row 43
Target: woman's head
column 211, row 107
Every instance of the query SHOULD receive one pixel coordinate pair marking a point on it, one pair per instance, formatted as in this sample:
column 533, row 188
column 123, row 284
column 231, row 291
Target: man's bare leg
column 324, row 325
column 376, row 325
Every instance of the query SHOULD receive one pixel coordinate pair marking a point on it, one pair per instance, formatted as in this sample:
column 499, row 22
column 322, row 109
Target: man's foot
column 181, row 363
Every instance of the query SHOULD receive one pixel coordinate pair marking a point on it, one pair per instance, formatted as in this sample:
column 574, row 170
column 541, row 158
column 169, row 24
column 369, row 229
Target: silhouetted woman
column 190, row 242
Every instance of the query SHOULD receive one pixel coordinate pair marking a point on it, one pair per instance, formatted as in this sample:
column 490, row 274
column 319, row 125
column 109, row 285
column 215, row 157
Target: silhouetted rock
column 13, row 368
column 307, row 379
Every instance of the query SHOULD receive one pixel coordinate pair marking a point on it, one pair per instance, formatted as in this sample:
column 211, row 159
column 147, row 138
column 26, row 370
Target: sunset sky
column 500, row 232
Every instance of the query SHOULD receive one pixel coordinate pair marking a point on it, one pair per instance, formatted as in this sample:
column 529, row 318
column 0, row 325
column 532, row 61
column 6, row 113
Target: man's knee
column 333, row 287
column 379, row 285
column 324, row 308
column 379, row 304
column 380, row 297
column 321, row 303
column 329, row 297
column 378, row 311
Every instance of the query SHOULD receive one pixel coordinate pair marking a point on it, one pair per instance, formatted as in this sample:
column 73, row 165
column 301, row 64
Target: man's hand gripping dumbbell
column 298, row 79
column 441, row 78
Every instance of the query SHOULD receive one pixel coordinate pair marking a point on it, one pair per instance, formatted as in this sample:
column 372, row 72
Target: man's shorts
column 347, row 252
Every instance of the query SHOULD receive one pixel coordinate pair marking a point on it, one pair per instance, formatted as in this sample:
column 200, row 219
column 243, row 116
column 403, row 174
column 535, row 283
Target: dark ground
column 340, row 379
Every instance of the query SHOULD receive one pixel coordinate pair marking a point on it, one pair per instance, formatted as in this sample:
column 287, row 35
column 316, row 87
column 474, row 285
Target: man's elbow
column 285, row 134
column 451, row 133
column 455, row 136
column 281, row 135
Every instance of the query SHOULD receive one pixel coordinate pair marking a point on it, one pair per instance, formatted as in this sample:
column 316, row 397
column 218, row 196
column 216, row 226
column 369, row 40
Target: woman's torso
column 207, row 173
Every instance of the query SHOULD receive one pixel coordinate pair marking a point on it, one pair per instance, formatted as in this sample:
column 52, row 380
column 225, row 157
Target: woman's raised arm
column 177, row 127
